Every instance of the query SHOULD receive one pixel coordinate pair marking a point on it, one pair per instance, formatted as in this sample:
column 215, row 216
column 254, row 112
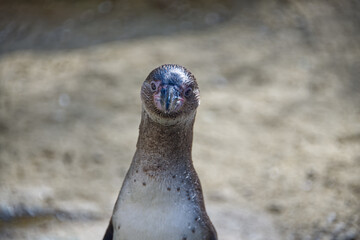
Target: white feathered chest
column 151, row 210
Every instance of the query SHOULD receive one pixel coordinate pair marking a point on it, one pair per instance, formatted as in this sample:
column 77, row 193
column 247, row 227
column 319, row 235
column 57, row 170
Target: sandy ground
column 277, row 135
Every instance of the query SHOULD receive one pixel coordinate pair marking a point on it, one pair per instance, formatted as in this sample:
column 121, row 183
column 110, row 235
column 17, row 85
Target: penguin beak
column 169, row 99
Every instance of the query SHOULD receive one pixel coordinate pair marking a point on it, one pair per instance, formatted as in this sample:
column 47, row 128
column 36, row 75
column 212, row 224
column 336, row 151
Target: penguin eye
column 153, row 86
column 188, row 92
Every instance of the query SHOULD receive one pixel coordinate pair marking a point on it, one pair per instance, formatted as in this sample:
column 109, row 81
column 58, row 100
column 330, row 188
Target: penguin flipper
column 211, row 235
column 109, row 232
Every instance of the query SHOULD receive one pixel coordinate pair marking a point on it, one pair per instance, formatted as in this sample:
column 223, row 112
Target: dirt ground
column 277, row 135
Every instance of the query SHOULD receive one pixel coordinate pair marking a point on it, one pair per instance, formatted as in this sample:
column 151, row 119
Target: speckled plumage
column 161, row 197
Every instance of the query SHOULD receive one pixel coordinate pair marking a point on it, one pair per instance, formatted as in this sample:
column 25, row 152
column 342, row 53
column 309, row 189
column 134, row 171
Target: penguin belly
column 155, row 213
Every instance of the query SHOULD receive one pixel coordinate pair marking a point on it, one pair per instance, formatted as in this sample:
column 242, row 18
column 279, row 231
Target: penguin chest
column 154, row 212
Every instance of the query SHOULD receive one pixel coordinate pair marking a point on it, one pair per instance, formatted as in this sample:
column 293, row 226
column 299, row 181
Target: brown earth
column 277, row 136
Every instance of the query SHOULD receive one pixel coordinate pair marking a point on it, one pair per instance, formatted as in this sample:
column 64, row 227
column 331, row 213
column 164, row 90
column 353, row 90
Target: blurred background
column 277, row 135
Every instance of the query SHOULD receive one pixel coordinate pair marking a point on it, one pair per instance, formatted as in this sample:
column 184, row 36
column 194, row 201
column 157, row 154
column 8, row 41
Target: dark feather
column 212, row 236
column 109, row 232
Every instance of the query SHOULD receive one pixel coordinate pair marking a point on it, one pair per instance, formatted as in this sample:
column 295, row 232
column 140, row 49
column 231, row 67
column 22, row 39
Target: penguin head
column 170, row 94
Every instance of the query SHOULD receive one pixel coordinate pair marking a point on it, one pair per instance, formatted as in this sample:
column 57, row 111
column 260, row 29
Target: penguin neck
column 157, row 142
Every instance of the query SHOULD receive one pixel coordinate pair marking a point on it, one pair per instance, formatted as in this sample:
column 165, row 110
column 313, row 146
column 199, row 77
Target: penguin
column 161, row 197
